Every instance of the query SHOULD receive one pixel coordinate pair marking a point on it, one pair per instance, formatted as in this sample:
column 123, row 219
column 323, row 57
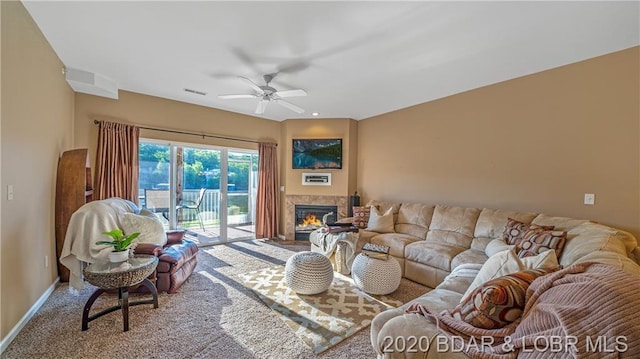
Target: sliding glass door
column 211, row 190
column 242, row 185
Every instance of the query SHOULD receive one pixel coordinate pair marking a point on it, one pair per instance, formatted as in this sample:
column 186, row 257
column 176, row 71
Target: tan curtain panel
column 267, row 196
column 117, row 161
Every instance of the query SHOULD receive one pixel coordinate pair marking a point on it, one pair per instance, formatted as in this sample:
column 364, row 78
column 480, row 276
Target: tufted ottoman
column 376, row 276
column 308, row 273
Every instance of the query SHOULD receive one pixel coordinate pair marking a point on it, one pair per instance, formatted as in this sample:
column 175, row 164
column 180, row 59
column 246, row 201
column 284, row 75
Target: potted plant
column 120, row 244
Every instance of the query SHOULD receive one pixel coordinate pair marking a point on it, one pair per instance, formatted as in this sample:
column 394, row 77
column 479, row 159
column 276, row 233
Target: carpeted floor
column 212, row 316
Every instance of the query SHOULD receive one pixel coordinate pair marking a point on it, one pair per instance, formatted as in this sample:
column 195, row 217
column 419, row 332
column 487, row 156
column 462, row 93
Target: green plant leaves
column 120, row 242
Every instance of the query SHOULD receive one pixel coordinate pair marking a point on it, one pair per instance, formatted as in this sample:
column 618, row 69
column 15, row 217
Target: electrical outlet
column 10, row 192
column 46, row 261
column 589, row 199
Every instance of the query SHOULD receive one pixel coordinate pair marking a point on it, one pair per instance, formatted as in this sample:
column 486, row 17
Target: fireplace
column 309, row 218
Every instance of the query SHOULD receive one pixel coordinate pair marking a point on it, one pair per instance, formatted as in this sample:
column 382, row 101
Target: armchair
column 176, row 260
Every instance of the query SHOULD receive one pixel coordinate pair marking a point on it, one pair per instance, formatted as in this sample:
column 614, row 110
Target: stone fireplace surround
column 341, row 202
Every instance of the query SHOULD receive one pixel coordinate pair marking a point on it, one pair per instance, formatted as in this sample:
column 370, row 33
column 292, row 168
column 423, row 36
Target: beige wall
column 536, row 143
column 343, row 180
column 37, row 120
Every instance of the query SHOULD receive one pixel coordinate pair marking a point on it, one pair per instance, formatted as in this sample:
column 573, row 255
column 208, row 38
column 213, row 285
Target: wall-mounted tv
column 317, row 153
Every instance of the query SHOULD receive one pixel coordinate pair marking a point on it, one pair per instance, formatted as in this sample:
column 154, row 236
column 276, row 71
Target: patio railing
column 158, row 201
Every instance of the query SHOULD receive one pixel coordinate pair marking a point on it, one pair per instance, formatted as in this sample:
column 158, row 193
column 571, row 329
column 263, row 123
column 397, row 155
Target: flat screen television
column 317, row 153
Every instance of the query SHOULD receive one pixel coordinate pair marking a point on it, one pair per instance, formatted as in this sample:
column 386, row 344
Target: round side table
column 121, row 276
column 376, row 276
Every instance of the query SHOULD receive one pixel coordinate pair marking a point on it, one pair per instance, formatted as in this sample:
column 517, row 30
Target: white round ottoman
column 308, row 273
column 376, row 276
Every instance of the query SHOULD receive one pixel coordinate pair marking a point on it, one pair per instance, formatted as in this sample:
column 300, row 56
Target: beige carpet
column 212, row 316
column 322, row 320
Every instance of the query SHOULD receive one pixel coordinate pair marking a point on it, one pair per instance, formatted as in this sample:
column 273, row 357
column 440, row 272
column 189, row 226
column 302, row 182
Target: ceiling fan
column 266, row 94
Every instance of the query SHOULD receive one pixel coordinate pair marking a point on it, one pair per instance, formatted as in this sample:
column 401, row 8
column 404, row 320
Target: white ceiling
column 354, row 59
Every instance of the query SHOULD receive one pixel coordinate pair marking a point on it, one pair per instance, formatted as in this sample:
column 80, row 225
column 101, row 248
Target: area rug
column 320, row 320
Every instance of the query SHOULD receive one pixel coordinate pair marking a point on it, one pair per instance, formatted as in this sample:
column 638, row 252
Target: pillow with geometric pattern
column 497, row 302
column 535, row 242
column 514, row 230
column 361, row 216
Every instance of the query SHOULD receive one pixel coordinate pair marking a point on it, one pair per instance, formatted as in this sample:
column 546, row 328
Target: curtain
column 267, row 196
column 117, row 161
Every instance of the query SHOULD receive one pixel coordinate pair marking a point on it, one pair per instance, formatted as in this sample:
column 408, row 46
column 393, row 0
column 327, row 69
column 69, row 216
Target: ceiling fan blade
column 262, row 106
column 289, row 105
column 291, row 93
column 252, row 84
column 237, row 96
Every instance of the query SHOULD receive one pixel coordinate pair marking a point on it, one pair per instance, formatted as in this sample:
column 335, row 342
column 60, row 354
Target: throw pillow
column 381, row 223
column 508, row 262
column 361, row 216
column 497, row 302
column 535, row 242
column 515, row 230
column 149, row 226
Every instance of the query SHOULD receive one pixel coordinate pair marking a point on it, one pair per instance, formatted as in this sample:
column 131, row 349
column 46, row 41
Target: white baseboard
column 25, row 319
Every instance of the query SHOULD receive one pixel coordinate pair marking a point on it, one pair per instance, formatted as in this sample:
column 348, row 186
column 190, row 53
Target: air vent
column 201, row 93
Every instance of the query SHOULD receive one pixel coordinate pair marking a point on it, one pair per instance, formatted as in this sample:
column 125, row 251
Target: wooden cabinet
column 73, row 189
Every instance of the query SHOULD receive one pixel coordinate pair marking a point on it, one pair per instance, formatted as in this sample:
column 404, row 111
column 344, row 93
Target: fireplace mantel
column 291, row 200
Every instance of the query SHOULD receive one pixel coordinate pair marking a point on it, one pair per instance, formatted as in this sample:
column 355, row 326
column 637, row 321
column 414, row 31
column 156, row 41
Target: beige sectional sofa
column 430, row 241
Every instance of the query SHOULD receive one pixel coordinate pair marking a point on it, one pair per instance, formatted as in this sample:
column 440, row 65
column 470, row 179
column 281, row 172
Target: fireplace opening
column 309, row 218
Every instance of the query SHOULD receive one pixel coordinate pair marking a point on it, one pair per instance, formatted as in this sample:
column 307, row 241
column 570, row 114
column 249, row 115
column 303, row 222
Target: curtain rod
column 203, row 135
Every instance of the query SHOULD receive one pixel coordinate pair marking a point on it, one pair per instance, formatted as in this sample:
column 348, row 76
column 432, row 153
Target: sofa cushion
column 434, row 254
column 414, row 219
column 395, row 241
column 559, row 223
column 515, row 230
column 497, row 302
column 497, row 245
column 614, row 259
column 591, row 237
column 469, row 256
column 380, row 222
column 491, row 222
column 508, row 262
column 453, row 225
column 535, row 242
column 361, row 216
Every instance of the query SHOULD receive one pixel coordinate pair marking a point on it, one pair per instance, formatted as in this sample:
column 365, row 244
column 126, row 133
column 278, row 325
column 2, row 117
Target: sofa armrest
column 175, row 237
column 148, row 248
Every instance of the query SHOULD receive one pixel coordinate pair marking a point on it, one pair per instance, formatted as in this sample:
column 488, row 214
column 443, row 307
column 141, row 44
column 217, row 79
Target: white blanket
column 86, row 227
column 327, row 244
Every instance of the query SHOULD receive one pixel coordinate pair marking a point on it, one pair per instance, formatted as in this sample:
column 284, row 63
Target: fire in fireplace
column 309, row 218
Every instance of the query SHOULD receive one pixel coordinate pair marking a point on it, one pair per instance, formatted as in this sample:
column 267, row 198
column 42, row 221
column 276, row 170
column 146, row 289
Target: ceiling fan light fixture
column 266, row 94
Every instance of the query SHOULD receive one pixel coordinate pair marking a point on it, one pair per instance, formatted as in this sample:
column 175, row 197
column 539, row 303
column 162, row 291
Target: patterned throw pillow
column 498, row 302
column 535, row 242
column 515, row 230
column 361, row 216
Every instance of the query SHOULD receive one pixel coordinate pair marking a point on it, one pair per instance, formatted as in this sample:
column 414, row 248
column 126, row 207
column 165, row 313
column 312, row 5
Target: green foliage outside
column 201, row 168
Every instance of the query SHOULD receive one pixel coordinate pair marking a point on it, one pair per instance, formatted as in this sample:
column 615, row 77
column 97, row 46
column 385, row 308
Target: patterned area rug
column 320, row 320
